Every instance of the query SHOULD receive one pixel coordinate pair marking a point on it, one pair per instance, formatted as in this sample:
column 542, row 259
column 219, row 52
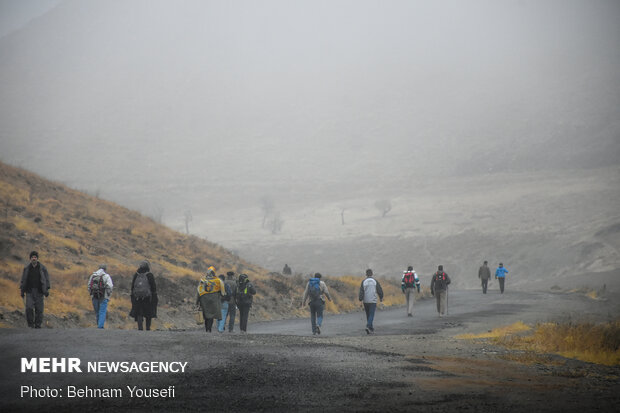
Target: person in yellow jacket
column 210, row 289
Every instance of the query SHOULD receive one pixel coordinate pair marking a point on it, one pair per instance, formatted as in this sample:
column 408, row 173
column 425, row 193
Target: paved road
column 468, row 310
column 281, row 367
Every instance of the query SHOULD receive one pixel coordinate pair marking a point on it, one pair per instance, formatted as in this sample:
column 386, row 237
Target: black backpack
column 228, row 295
column 97, row 286
column 141, row 286
column 244, row 293
column 440, row 281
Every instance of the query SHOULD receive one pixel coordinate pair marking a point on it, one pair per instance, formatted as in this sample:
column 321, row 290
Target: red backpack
column 409, row 279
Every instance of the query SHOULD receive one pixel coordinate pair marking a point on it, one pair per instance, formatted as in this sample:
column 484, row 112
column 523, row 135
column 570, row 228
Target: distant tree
column 276, row 223
column 384, row 206
column 267, row 206
column 188, row 218
column 344, row 206
column 158, row 214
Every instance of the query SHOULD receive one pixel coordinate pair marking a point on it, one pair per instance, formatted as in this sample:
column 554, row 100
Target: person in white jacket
column 100, row 289
column 408, row 285
column 370, row 290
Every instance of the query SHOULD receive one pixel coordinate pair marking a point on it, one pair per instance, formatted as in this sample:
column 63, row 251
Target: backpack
column 141, row 286
column 314, row 289
column 440, row 281
column 228, row 295
column 209, row 286
column 97, row 286
column 244, row 294
column 409, row 279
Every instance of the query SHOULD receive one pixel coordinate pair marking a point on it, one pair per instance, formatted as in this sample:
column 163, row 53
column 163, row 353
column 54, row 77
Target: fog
column 205, row 106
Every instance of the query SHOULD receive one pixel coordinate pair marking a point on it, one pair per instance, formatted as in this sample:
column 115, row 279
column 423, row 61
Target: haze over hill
column 74, row 232
column 320, row 106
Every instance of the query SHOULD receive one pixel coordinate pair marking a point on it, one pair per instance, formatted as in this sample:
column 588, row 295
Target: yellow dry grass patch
column 27, row 225
column 594, row 343
column 517, row 327
column 9, row 295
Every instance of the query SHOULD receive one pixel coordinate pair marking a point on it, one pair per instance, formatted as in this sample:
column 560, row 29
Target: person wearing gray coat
column 35, row 285
column 484, row 273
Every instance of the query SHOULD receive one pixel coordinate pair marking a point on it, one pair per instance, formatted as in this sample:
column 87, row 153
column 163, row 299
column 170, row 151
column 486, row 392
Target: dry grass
column 74, row 232
column 497, row 333
column 594, row 343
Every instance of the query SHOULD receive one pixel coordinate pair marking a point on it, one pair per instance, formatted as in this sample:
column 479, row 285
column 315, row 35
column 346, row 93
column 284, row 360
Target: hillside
column 74, row 232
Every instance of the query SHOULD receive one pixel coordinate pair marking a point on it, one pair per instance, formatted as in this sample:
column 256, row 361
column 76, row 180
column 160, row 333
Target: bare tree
column 384, row 206
column 267, row 206
column 188, row 218
column 158, row 214
column 276, row 223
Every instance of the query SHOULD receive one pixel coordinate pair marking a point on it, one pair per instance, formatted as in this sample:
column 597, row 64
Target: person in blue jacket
column 500, row 275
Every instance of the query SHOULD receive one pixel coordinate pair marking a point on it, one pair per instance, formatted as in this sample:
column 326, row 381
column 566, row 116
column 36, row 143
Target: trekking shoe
column 410, row 315
column 318, row 330
column 367, row 330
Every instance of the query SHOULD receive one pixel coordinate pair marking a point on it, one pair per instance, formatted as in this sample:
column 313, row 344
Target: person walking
column 500, row 275
column 286, row 270
column 34, row 286
column 143, row 296
column 226, row 304
column 231, row 283
column 439, row 289
column 209, row 290
column 245, row 297
column 313, row 294
column 370, row 290
column 484, row 273
column 100, row 289
column 409, row 283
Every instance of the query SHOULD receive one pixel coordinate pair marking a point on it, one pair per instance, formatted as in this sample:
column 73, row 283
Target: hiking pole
column 447, row 306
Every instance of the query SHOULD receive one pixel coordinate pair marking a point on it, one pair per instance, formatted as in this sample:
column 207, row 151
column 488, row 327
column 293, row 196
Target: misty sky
column 160, row 94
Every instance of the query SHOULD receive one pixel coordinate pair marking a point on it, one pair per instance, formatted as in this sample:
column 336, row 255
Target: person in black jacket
column 244, row 298
column 484, row 273
column 35, row 285
column 439, row 289
column 232, row 304
column 143, row 296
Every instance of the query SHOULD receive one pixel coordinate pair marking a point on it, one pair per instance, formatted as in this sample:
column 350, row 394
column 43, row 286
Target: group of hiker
column 143, row 295
column 219, row 298
column 35, row 285
column 370, row 292
column 484, row 273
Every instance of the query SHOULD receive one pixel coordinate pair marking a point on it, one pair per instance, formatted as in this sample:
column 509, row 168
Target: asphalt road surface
column 410, row 364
